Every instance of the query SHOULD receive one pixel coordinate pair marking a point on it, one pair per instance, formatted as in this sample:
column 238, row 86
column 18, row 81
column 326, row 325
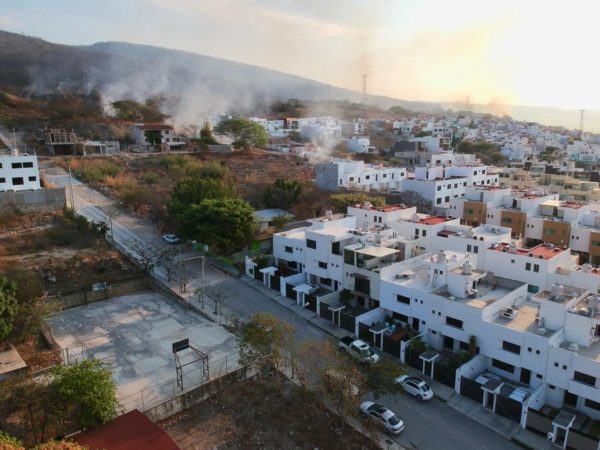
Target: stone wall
column 140, row 283
column 43, row 200
column 199, row 394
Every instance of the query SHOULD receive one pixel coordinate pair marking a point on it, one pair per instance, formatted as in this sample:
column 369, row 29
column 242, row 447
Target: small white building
column 19, row 173
column 165, row 136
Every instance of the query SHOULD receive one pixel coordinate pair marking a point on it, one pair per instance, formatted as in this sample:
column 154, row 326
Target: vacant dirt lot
column 53, row 253
column 260, row 415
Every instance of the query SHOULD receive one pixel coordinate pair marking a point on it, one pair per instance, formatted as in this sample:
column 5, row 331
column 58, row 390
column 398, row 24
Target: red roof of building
column 434, row 220
column 131, row 431
column 542, row 251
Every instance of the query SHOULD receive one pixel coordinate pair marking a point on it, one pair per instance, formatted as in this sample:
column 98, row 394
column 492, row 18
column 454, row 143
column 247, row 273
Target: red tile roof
column 434, row 220
column 153, row 126
column 542, row 250
column 131, row 431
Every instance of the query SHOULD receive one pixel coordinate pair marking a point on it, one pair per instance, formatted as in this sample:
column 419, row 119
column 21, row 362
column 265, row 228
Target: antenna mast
column 581, row 121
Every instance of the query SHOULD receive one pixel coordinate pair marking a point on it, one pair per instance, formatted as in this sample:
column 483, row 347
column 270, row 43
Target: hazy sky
column 512, row 51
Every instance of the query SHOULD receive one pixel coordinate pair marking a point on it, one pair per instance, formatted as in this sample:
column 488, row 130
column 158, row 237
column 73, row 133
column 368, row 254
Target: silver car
column 391, row 423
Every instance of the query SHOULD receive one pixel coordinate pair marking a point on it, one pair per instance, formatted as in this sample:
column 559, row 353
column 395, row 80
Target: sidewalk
column 304, row 313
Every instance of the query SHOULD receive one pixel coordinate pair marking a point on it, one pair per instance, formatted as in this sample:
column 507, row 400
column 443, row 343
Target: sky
column 525, row 52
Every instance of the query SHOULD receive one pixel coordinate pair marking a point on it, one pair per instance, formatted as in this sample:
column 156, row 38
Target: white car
column 171, row 239
column 391, row 423
column 415, row 386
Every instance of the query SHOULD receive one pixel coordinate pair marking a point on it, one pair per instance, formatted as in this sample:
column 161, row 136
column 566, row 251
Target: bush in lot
column 8, row 306
column 95, row 170
column 133, row 194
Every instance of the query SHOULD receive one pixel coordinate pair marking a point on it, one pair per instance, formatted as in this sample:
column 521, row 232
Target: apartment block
column 19, row 173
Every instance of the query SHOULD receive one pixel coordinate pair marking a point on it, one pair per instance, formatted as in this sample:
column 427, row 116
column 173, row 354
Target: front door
column 415, row 324
column 525, row 376
column 570, row 400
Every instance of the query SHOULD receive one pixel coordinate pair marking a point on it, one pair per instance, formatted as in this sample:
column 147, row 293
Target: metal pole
column 71, row 188
column 202, row 291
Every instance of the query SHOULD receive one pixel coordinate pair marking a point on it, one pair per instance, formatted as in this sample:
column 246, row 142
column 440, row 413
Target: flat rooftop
column 524, row 320
column 338, row 232
column 376, row 251
column 592, row 352
column 542, row 251
column 487, row 294
column 434, row 220
column 134, row 334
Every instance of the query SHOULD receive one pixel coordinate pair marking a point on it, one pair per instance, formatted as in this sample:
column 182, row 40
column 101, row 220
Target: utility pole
column 71, row 189
column 581, row 121
column 202, row 285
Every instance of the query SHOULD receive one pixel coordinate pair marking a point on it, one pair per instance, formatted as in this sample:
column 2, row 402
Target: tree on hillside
column 340, row 202
column 88, row 391
column 397, row 110
column 265, row 340
column 153, row 137
column 8, row 306
column 227, row 224
column 192, row 191
column 245, row 134
column 206, row 136
column 282, row 194
column 381, row 377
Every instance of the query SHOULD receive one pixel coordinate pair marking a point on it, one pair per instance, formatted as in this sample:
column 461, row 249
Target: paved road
column 433, row 425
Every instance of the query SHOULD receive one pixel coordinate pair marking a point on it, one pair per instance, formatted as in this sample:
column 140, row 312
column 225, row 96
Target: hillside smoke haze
column 191, row 87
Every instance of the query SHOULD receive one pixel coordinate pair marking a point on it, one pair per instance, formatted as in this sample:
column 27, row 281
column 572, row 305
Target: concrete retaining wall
column 199, row 394
column 112, row 290
column 42, row 200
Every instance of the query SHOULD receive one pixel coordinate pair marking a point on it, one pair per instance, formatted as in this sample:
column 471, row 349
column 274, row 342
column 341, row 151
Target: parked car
column 171, row 239
column 358, row 349
column 386, row 417
column 415, row 386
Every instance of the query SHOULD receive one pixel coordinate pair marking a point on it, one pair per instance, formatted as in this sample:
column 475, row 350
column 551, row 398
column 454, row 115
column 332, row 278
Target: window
column 439, row 188
column 18, row 181
column 362, row 285
column 596, row 243
column 325, row 281
column 32, row 178
column 28, row 165
column 3, row 180
column 507, row 220
column 424, row 233
column 503, row 366
column 592, row 404
column 322, row 265
column 335, row 248
column 17, row 165
column 475, row 249
column 310, row 243
column 454, row 322
column 416, row 232
column 469, row 210
column 447, row 199
column 536, row 268
column 527, row 266
column 510, row 347
column 438, row 201
column 584, row 378
column 469, row 248
column 289, row 249
column 549, row 231
column 403, row 299
column 349, row 257
column 532, row 289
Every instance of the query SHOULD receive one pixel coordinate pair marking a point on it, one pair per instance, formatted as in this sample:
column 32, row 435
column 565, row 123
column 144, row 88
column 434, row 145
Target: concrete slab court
column 134, row 334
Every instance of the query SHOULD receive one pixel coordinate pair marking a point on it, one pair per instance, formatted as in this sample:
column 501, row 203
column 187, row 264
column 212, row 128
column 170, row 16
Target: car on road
column 358, row 349
column 171, row 239
column 386, row 417
column 415, row 386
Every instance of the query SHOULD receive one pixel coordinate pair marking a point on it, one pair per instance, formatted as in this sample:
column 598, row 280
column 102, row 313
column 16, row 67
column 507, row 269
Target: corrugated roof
column 131, row 431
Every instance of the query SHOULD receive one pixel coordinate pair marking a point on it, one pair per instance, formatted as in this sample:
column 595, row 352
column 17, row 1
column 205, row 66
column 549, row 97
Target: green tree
column 397, row 110
column 265, row 340
column 206, row 136
column 245, row 133
column 153, row 137
column 227, row 224
column 340, row 202
column 192, row 191
column 7, row 442
column 381, row 377
column 8, row 306
column 88, row 391
column 282, row 194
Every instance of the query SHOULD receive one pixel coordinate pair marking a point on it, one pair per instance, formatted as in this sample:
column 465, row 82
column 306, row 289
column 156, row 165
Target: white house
column 165, row 136
column 19, row 173
column 343, row 173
